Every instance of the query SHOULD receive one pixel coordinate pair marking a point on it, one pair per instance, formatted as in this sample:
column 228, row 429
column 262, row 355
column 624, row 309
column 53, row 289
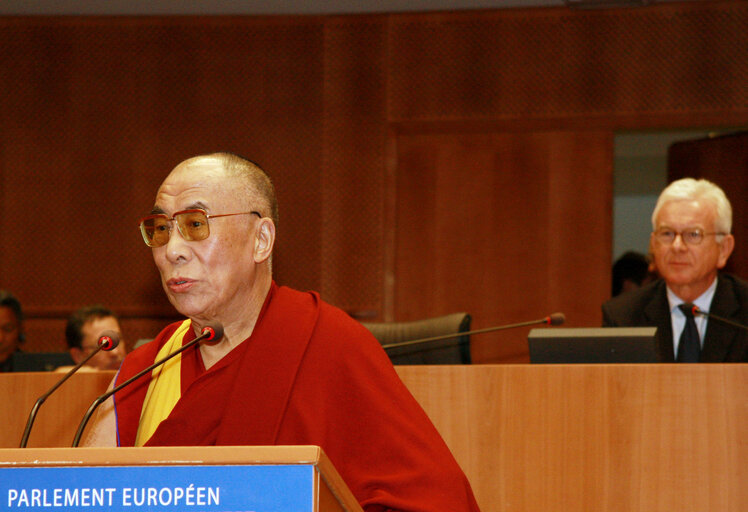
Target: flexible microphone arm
column 554, row 319
column 696, row 311
column 108, row 340
column 211, row 332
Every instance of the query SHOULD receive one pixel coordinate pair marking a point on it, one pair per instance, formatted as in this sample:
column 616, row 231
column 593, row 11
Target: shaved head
column 259, row 191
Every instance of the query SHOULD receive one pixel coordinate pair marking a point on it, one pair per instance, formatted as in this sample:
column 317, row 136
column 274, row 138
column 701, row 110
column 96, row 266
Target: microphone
column 696, row 311
column 212, row 331
column 554, row 319
column 108, row 340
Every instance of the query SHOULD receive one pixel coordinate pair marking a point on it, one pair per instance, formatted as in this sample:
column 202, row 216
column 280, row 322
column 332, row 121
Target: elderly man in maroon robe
column 289, row 370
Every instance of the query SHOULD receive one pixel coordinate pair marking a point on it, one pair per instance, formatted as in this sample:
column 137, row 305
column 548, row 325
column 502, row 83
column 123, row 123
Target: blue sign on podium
column 198, row 488
column 175, row 478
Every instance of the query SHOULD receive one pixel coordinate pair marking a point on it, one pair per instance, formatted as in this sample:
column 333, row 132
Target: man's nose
column 177, row 247
column 678, row 242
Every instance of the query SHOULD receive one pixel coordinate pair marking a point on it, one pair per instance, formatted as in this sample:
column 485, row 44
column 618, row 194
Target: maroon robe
column 308, row 375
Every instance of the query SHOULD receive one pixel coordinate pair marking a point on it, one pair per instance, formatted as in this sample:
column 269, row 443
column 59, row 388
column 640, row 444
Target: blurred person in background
column 11, row 329
column 82, row 333
column 630, row 272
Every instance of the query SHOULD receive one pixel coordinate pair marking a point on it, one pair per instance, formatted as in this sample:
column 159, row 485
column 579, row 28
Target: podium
column 215, row 478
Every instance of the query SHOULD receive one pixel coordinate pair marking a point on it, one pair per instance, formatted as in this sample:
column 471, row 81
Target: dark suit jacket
column 648, row 307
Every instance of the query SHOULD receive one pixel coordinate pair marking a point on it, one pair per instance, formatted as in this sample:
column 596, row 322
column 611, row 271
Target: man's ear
column 264, row 240
column 725, row 249
column 77, row 355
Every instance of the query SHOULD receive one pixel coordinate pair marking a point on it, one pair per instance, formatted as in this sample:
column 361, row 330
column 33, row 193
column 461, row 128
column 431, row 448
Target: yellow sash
column 165, row 388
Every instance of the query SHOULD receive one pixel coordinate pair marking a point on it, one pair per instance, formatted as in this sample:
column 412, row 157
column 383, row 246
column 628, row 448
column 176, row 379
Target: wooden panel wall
column 98, row 110
column 724, row 161
column 488, row 224
column 353, row 231
column 560, row 63
column 94, row 112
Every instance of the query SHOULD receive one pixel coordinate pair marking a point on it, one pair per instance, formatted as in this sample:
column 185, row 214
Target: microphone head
column 108, row 340
column 214, row 330
column 556, row 319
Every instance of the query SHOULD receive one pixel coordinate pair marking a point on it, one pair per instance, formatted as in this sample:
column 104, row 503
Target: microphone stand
column 41, row 399
column 696, row 311
column 206, row 335
column 555, row 319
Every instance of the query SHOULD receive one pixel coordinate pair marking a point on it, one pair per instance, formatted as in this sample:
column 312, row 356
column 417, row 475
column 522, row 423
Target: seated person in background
column 630, row 272
column 290, row 368
column 82, row 335
column 11, row 329
column 690, row 242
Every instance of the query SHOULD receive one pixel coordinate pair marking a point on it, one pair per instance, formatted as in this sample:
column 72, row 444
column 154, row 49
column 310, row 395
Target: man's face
column 10, row 331
column 690, row 268
column 210, row 279
column 104, row 360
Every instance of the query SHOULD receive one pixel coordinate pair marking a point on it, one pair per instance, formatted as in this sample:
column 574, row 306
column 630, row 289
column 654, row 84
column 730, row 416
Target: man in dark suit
column 690, row 242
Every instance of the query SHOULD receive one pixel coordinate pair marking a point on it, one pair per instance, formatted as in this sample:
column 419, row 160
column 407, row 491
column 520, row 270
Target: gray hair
column 689, row 189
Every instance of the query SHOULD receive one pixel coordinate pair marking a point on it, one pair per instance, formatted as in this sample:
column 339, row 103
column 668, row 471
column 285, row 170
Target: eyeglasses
column 690, row 236
column 192, row 224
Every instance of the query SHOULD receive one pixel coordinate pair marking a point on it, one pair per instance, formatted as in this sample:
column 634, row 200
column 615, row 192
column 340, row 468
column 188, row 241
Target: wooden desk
column 60, row 414
column 594, row 437
column 534, row 438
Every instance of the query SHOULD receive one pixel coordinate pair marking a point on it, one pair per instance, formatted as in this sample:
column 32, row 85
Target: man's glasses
column 690, row 236
column 192, row 224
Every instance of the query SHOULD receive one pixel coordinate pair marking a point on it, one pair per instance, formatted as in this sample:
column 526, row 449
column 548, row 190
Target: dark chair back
column 40, row 361
column 454, row 350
